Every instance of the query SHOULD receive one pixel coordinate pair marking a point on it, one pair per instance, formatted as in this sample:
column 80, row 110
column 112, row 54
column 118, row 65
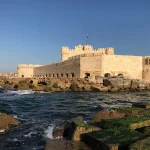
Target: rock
column 1, row 89
column 92, row 79
column 142, row 84
column 104, row 114
column 134, row 84
column 143, row 144
column 107, row 82
column 6, row 122
column 99, row 79
column 57, row 132
column 141, row 105
column 131, row 122
column 76, row 127
column 126, row 83
column 111, row 139
column 61, row 144
column 114, row 89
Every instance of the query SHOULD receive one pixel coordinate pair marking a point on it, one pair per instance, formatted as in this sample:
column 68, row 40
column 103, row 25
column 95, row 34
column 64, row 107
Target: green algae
column 125, row 122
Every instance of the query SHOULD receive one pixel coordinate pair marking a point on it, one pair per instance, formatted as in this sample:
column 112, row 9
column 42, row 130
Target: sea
column 40, row 112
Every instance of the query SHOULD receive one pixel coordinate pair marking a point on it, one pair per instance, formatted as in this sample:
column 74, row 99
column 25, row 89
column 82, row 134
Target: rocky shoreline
column 98, row 83
column 125, row 128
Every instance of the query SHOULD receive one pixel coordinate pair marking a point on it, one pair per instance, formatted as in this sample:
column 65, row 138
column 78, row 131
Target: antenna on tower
column 87, row 38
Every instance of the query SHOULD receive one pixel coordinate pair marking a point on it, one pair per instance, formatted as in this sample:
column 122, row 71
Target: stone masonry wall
column 66, row 53
column 129, row 66
column 69, row 68
column 146, row 68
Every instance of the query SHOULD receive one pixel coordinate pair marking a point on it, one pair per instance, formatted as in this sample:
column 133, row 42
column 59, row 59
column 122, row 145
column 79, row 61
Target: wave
column 21, row 92
column 49, row 132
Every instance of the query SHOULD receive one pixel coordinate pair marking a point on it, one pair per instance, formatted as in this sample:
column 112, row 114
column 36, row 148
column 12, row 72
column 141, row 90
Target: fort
column 85, row 61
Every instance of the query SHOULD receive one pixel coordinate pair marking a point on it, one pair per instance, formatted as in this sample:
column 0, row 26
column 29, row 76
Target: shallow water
column 40, row 112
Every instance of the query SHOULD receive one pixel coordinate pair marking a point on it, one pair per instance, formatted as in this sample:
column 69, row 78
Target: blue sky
column 33, row 31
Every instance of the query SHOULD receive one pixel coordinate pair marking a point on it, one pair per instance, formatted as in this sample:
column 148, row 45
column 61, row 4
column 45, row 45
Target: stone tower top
column 86, row 49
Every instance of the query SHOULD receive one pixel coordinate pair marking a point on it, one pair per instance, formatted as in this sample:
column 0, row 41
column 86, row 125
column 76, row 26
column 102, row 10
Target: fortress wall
column 68, row 68
column 26, row 70
column 146, row 68
column 91, row 65
column 86, row 49
column 129, row 66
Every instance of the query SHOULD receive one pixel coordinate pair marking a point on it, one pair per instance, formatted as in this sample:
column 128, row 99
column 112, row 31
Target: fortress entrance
column 87, row 75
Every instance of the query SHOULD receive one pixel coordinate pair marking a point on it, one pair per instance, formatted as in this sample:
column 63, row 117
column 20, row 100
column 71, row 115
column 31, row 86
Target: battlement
column 66, row 53
column 27, row 66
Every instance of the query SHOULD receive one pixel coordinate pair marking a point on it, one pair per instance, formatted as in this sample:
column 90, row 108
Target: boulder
column 99, row 79
column 92, row 79
column 142, row 84
column 126, row 83
column 134, row 84
column 75, row 127
column 114, row 89
column 105, row 114
column 6, row 122
column 143, row 144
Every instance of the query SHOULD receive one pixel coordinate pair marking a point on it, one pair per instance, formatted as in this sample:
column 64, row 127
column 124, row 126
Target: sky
column 33, row 31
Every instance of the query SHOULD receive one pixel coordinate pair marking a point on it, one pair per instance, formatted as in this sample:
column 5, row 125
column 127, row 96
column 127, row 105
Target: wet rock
column 114, row 89
column 6, row 122
column 141, row 105
column 76, row 127
column 111, row 139
column 1, row 89
column 61, row 144
column 143, row 144
column 104, row 114
column 57, row 133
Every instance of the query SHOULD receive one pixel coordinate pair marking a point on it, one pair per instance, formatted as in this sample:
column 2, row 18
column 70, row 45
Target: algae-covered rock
column 6, row 122
column 132, row 122
column 111, row 139
column 105, row 114
column 130, row 110
column 141, row 105
column 75, row 128
column 143, row 144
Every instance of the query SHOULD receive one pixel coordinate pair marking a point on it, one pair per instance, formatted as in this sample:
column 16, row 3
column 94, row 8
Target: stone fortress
column 84, row 61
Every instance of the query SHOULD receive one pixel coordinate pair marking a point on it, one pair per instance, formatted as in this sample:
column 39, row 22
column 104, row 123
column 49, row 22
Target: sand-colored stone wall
column 69, row 68
column 129, row 66
column 91, row 65
column 26, row 71
column 146, row 67
column 66, row 53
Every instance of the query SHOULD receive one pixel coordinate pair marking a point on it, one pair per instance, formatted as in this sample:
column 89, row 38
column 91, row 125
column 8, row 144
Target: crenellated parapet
column 67, row 53
column 27, row 66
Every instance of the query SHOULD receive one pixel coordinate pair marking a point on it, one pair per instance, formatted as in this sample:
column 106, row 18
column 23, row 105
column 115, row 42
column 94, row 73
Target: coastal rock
column 61, row 144
column 99, row 79
column 57, row 132
column 134, row 84
column 104, row 114
column 126, row 83
column 143, row 144
column 6, row 122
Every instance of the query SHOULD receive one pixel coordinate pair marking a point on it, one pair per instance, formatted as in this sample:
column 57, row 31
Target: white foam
column 49, row 132
column 29, row 134
column 1, row 131
column 22, row 92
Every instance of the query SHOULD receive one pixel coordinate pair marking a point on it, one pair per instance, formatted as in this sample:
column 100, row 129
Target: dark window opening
column 87, row 75
column 72, row 74
column 22, row 76
column 67, row 75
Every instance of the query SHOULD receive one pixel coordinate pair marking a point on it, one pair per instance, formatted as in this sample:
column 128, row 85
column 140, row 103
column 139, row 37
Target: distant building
column 84, row 61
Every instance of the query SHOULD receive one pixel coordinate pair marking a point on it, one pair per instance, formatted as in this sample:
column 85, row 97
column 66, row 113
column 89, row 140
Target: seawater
column 40, row 112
